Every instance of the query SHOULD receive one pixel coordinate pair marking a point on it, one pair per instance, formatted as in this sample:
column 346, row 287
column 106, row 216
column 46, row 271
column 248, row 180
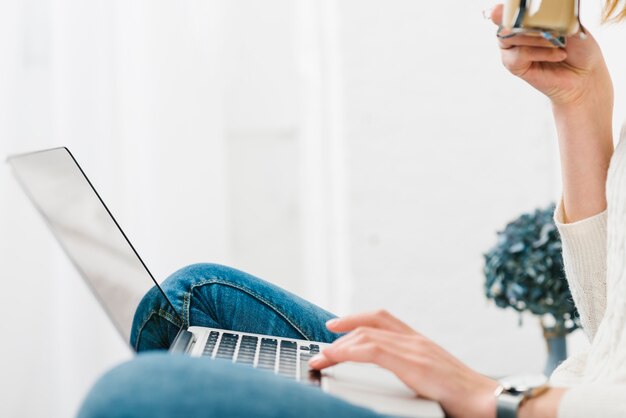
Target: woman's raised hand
column 577, row 81
column 380, row 338
column 569, row 75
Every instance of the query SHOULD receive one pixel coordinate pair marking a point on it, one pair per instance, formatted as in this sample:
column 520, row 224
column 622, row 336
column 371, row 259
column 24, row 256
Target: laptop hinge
column 182, row 342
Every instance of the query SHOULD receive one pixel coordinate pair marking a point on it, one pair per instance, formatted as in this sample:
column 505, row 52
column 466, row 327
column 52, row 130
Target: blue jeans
column 156, row 384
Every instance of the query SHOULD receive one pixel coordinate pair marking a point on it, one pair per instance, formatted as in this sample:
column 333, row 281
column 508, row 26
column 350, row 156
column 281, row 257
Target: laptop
column 119, row 279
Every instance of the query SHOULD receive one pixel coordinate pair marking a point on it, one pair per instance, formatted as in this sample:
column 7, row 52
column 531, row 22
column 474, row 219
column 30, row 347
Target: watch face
column 523, row 382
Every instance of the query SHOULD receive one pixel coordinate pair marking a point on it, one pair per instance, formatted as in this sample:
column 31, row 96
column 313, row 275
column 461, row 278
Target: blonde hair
column 614, row 10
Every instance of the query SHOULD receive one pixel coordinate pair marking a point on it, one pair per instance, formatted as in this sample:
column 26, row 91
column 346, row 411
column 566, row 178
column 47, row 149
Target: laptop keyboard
column 281, row 356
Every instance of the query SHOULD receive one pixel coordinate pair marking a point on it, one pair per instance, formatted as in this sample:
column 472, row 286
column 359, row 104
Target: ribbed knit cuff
column 594, row 401
column 584, row 242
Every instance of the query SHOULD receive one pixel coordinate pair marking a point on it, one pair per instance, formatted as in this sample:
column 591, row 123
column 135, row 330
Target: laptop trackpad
column 378, row 389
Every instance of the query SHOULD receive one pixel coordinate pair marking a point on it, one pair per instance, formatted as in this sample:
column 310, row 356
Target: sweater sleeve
column 594, row 400
column 585, row 259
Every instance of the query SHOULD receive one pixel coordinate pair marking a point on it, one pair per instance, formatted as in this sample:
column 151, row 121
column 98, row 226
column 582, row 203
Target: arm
column 425, row 367
column 578, row 84
column 585, row 259
column 431, row 372
column 586, row 146
column 544, row 406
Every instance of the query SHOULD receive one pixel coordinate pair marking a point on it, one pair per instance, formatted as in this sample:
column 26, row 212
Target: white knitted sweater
column 594, row 252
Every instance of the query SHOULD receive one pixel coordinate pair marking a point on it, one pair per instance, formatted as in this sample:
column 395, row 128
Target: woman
column 592, row 221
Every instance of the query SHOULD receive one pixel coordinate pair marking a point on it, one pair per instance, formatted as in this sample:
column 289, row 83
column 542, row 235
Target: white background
column 361, row 153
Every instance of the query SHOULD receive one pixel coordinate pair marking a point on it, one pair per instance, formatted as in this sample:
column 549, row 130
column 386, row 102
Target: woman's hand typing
column 425, row 367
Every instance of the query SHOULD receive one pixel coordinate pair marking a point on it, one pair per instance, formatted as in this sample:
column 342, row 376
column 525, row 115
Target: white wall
column 360, row 153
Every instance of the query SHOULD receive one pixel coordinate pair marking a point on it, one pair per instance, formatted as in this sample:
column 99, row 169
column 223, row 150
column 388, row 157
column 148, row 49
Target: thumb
column 496, row 14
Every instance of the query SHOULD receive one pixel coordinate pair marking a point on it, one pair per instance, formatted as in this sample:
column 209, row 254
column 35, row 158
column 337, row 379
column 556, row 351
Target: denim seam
column 186, row 303
column 163, row 314
column 249, row 292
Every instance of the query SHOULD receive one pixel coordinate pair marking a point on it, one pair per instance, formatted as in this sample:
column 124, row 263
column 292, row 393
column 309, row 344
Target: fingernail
column 332, row 322
column 487, row 13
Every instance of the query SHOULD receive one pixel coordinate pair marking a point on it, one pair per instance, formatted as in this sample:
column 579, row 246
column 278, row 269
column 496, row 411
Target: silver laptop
column 117, row 276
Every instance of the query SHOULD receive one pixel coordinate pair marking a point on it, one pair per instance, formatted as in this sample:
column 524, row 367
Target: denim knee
column 113, row 395
column 156, row 321
column 183, row 281
column 166, row 386
column 142, row 387
column 179, row 286
column 216, row 296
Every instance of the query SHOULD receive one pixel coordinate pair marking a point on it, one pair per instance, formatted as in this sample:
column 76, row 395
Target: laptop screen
column 87, row 231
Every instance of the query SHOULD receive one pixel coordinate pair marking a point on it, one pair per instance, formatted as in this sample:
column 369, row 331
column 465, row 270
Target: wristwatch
column 515, row 390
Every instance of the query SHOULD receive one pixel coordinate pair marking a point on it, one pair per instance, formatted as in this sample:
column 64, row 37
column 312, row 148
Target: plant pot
column 557, row 350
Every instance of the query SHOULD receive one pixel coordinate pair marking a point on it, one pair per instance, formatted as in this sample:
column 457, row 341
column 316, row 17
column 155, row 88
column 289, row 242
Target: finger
column 525, row 40
column 496, row 14
column 360, row 353
column 401, row 355
column 320, row 362
column 375, row 347
column 519, row 59
column 387, row 357
column 361, row 336
column 345, row 339
column 378, row 319
column 370, row 352
column 576, row 41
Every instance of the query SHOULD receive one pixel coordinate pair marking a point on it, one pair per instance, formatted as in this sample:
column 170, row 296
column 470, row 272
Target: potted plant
column 524, row 271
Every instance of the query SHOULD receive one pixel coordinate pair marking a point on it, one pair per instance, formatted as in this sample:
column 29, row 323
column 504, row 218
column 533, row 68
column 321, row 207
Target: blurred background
column 360, row 153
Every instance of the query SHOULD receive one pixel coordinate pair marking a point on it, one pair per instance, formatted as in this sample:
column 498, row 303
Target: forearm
column 585, row 133
column 544, row 406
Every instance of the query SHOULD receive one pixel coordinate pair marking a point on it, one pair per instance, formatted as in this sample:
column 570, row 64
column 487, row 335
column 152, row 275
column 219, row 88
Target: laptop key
column 210, row 343
column 247, row 349
column 267, row 354
column 305, row 357
column 307, row 375
column 288, row 359
column 227, row 346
